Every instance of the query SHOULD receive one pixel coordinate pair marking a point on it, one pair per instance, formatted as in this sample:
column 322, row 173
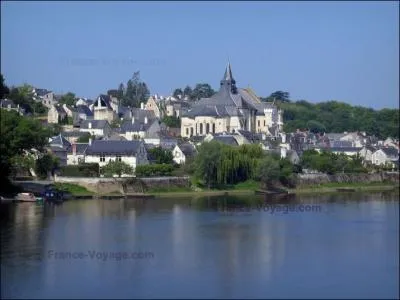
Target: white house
column 134, row 129
column 102, row 152
column 76, row 153
column 99, row 128
column 183, row 152
column 366, row 153
column 385, row 156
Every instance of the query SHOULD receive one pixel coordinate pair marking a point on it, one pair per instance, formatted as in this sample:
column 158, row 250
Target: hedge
column 154, row 170
column 81, row 170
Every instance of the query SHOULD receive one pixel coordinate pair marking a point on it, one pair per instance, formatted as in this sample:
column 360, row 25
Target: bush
column 154, row 170
column 81, row 170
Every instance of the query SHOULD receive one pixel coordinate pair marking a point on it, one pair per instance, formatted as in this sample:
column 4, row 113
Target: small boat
column 26, row 197
column 53, row 196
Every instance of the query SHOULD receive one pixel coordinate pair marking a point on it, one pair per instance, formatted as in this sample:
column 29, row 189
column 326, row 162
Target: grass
column 74, row 189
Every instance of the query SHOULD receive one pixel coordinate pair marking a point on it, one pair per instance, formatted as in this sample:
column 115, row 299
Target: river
column 343, row 245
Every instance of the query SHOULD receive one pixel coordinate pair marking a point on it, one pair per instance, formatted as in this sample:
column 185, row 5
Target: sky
column 316, row 51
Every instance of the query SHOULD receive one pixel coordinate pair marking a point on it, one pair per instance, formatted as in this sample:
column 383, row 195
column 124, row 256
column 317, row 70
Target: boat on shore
column 27, row 197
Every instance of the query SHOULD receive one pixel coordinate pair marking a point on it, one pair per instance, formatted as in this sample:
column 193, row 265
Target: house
column 366, row 153
column 44, row 96
column 56, row 114
column 81, row 113
column 69, row 110
column 83, row 101
column 134, row 129
column 76, row 153
column 59, row 146
column 349, row 151
column 9, row 105
column 132, row 153
column 154, row 104
column 103, row 109
column 230, row 109
column 98, row 128
column 183, row 152
column 385, row 156
column 293, row 156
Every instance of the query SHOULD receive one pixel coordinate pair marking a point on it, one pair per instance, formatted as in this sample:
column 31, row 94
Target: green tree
column 161, row 156
column 177, row 93
column 136, row 91
column 187, row 92
column 4, row 90
column 45, row 164
column 68, row 99
column 268, row 171
column 202, row 90
column 117, row 168
column 316, row 127
column 84, row 138
column 172, row 121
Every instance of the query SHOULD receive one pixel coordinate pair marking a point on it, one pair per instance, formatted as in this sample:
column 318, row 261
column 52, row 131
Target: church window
column 264, row 122
column 201, row 128
column 258, row 123
column 187, row 131
column 191, row 131
column 207, row 128
column 213, row 128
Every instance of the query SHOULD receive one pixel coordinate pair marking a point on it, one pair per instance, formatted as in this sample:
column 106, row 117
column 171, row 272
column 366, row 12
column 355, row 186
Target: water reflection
column 348, row 249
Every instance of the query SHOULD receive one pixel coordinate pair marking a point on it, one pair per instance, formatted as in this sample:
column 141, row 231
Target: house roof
column 127, row 126
column 80, row 148
column 104, row 100
column 41, row 92
column 59, row 141
column 226, row 139
column 75, row 134
column 188, row 149
column 390, row 151
column 96, row 124
column 139, row 114
column 338, row 144
column 6, row 102
column 344, row 149
column 60, row 109
column 114, row 147
column 83, row 109
column 334, row 136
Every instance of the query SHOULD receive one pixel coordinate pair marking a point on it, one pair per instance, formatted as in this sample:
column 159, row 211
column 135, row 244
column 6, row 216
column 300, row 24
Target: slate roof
column 127, row 126
column 96, row 124
column 60, row 110
column 338, row 144
column 41, row 92
column 188, row 149
column 60, row 141
column 83, row 109
column 139, row 114
column 75, row 134
column 390, row 151
column 334, row 136
column 113, row 147
column 344, row 149
column 80, row 148
column 226, row 139
column 105, row 101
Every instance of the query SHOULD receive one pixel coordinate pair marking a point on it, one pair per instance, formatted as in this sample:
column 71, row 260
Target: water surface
column 204, row 248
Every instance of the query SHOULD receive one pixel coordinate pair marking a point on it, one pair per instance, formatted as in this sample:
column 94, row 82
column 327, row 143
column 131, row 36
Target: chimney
column 133, row 120
column 90, row 141
column 90, row 125
column 73, row 149
column 145, row 120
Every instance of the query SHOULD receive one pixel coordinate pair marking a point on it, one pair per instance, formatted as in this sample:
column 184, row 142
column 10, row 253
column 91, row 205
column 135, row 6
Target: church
column 231, row 109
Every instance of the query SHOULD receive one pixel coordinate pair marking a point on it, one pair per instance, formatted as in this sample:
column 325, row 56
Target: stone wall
column 315, row 179
column 124, row 185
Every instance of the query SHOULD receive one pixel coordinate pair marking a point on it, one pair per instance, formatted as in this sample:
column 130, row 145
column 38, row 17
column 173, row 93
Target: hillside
column 334, row 116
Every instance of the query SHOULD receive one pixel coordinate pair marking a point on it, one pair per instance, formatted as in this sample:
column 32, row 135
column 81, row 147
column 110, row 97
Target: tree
column 202, row 90
column 268, row 171
column 316, row 127
column 172, row 121
column 117, row 168
column 177, row 93
column 207, row 162
column 4, row 90
column 136, row 91
column 68, row 99
column 187, row 92
column 45, row 164
column 18, row 134
column 161, row 156
column 121, row 91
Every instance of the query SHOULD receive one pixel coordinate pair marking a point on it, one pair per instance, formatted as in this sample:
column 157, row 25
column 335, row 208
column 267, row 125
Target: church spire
column 228, row 81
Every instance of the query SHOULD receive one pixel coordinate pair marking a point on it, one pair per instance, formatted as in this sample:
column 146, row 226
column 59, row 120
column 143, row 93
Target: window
column 258, row 123
column 191, row 131
column 264, row 122
column 102, row 158
column 118, row 158
column 187, row 131
column 207, row 128
column 201, row 128
column 213, row 127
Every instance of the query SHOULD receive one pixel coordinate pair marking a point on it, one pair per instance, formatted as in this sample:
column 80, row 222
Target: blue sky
column 318, row 51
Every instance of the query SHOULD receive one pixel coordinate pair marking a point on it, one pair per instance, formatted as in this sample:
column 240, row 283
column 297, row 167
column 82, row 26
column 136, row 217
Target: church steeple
column 227, row 81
